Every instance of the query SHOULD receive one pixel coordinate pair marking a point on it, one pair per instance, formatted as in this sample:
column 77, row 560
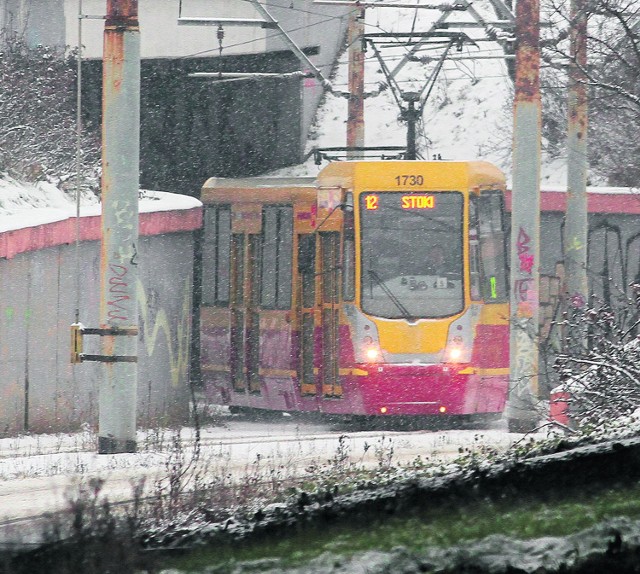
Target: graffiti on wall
column 524, row 252
column 117, row 308
column 524, row 332
column 524, row 288
column 155, row 322
column 120, row 276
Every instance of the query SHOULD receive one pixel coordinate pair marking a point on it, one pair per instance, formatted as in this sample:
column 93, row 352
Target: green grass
column 442, row 526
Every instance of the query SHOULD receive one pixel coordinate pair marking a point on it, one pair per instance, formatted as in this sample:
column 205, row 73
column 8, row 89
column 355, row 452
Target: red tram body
column 328, row 295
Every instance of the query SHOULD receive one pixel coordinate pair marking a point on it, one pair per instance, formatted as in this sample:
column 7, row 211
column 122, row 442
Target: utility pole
column 119, row 248
column 525, row 222
column 576, row 222
column 355, row 107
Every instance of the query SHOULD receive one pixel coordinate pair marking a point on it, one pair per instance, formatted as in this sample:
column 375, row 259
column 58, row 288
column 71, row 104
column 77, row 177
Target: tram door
column 238, row 369
column 245, row 321
column 307, row 298
column 330, row 298
column 252, row 327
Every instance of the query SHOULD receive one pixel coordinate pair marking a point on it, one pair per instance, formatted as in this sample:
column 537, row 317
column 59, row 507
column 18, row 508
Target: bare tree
column 38, row 116
column 612, row 77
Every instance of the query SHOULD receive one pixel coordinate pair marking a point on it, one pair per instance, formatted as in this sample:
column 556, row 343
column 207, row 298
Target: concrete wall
column 614, row 252
column 193, row 129
column 55, row 22
column 38, row 21
column 162, row 37
column 40, row 390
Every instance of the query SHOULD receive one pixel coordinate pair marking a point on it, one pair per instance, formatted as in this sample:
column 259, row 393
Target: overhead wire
column 294, row 9
column 261, row 39
column 268, row 36
column 325, row 19
column 413, row 23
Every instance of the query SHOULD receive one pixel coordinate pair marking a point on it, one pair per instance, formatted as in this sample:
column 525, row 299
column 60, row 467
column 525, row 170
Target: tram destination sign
column 409, row 201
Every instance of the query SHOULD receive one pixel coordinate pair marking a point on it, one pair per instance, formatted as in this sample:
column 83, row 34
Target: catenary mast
column 525, row 222
column 119, row 248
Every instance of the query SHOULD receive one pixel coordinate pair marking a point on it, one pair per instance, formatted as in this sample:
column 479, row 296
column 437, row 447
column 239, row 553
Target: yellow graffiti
column 179, row 356
column 575, row 245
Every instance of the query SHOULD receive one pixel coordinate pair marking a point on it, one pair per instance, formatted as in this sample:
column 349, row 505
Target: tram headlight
column 372, row 354
column 364, row 337
column 371, row 350
column 459, row 343
column 456, row 352
column 460, row 338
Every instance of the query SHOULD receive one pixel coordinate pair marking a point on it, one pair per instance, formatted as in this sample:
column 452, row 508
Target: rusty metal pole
column 119, row 250
column 576, row 223
column 355, row 108
column 525, row 222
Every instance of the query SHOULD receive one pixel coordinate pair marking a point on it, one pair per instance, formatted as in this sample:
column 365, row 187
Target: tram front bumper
column 432, row 389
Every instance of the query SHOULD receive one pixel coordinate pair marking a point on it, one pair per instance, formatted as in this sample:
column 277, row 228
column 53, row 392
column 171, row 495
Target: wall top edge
column 66, row 231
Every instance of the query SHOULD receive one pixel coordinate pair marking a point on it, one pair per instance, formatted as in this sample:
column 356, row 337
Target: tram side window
column 307, row 268
column 215, row 256
column 493, row 253
column 277, row 256
column 474, row 252
column 348, row 259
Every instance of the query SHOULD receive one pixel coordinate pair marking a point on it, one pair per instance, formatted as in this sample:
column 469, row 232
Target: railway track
column 39, row 476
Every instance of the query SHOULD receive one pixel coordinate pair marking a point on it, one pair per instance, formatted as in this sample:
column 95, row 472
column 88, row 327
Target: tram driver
column 436, row 263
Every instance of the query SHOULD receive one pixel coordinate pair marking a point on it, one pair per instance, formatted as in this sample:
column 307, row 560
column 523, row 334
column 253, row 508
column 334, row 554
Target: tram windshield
column 411, row 254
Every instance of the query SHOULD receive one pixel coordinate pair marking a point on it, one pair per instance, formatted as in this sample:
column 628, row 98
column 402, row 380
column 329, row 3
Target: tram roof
column 263, row 181
column 258, row 189
column 623, row 200
column 455, row 173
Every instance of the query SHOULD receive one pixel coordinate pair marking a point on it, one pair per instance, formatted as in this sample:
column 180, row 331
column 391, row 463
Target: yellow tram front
column 423, row 322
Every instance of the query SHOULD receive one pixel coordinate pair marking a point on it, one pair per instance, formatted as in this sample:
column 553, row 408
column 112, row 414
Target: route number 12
column 371, row 202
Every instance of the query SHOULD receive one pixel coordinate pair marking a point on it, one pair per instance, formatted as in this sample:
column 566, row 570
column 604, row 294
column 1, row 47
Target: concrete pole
column 119, row 250
column 355, row 108
column 525, row 222
column 576, row 223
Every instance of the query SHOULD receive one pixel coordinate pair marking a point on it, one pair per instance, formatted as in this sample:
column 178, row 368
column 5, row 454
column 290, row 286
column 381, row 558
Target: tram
column 378, row 288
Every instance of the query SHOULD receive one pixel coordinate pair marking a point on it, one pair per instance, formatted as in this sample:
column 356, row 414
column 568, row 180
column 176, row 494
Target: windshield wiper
column 403, row 310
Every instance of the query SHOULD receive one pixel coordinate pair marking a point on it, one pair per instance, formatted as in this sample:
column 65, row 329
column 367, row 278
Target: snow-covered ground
column 42, row 473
